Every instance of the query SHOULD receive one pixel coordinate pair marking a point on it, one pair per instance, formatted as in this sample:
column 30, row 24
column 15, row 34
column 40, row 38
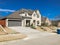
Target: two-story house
column 56, row 23
column 24, row 18
column 45, row 21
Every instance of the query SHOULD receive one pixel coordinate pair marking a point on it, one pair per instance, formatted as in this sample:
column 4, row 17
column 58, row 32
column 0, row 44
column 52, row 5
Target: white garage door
column 14, row 23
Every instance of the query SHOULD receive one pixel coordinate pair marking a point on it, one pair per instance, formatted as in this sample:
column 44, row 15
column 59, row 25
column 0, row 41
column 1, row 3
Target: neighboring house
column 24, row 18
column 48, row 21
column 45, row 20
column 56, row 23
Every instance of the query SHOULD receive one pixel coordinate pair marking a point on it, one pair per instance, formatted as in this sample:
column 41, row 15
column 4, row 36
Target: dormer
column 23, row 14
column 34, row 14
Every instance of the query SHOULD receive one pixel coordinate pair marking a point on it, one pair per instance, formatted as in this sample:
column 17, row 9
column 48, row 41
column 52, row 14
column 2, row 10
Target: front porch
column 27, row 23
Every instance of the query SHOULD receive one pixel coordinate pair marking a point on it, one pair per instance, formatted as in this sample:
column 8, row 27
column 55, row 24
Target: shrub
column 33, row 26
column 45, row 24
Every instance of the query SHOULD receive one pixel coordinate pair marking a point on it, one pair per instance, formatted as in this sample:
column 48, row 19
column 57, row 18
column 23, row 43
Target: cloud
column 7, row 10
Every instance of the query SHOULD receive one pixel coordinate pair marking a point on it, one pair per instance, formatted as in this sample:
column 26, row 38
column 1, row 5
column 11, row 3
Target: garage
column 14, row 23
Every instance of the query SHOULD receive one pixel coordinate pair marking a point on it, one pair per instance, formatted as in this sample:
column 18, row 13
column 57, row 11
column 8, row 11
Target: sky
column 47, row 8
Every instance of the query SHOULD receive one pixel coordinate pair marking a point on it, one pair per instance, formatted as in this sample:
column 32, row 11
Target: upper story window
column 25, row 14
column 37, row 22
column 37, row 16
column 34, row 15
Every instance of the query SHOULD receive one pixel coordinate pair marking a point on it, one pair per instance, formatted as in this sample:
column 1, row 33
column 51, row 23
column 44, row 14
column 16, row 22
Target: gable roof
column 55, row 21
column 25, row 10
column 16, row 14
column 43, row 19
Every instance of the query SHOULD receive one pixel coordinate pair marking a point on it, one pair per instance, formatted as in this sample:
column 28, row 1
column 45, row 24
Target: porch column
column 22, row 23
column 25, row 22
column 6, row 22
column 36, row 24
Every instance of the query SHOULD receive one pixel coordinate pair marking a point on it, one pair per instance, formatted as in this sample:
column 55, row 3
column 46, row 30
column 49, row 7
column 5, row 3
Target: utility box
column 58, row 31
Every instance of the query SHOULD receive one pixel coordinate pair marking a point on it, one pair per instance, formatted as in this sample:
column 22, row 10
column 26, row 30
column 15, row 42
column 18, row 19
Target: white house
column 24, row 18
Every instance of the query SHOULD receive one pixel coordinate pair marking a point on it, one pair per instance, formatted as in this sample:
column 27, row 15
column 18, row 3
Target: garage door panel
column 14, row 23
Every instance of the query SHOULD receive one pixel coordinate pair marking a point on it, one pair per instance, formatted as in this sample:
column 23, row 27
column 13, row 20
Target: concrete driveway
column 34, row 37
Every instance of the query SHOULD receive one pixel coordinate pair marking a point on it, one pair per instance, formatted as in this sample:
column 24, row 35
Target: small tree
column 32, row 26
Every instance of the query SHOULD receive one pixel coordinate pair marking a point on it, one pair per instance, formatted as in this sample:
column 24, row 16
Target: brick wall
column 3, row 23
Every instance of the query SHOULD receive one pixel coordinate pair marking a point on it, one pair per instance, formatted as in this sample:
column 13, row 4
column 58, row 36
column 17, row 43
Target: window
column 34, row 21
column 37, row 22
column 25, row 14
column 37, row 16
column 34, row 14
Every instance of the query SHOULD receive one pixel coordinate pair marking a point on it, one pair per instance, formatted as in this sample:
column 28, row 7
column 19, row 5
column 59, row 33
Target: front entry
column 27, row 23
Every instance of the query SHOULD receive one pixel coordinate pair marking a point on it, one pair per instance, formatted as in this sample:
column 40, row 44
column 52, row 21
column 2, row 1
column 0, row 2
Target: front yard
column 52, row 29
column 7, row 34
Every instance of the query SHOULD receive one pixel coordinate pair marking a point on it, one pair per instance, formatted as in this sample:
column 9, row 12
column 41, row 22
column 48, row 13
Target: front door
column 27, row 23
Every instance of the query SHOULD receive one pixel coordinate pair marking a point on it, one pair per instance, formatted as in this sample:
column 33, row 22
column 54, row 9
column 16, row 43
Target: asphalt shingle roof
column 16, row 14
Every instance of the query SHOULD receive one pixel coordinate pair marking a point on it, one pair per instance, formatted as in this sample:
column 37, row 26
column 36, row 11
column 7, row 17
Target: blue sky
column 47, row 8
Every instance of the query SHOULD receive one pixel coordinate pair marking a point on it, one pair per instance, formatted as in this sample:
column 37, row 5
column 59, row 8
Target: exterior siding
column 48, row 22
column 36, row 19
column 19, row 18
column 58, row 24
column 3, row 23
